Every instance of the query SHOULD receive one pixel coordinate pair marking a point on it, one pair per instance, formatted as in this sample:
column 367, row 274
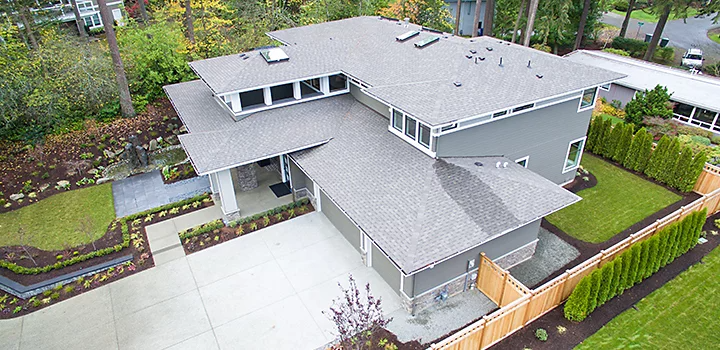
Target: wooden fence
column 519, row 305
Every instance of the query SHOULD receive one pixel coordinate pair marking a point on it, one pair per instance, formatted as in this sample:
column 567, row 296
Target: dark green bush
column 606, row 283
column 623, row 145
column 657, row 159
column 636, row 48
column 577, row 304
column 650, row 103
column 611, row 142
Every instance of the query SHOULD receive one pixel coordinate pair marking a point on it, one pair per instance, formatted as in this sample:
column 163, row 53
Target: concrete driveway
column 264, row 290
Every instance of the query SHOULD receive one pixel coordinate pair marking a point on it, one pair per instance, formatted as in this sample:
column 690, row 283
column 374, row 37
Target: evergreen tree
column 657, row 159
column 611, row 142
column 644, row 152
column 594, row 291
column 702, row 216
column 662, row 245
column 618, row 269
column 682, row 169
column 667, row 170
column 632, row 272
column 672, row 243
column 625, row 272
column 593, row 130
column 652, row 244
column 607, row 276
column 603, row 136
column 631, row 159
column 623, row 146
column 693, row 172
column 644, row 259
column 576, row 305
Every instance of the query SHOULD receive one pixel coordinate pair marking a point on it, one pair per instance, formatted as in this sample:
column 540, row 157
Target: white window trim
column 604, row 88
column 580, row 152
column 592, row 106
column 414, row 143
column 277, row 105
column 405, row 121
column 526, row 159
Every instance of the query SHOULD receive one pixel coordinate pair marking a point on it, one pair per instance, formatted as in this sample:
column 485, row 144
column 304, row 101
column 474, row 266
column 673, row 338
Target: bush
column 611, row 142
column 664, row 54
column 576, row 306
column 623, row 146
column 657, row 159
column 606, row 283
column 617, row 51
column 620, row 5
column 636, row 48
column 618, row 269
column 651, row 103
column 541, row 334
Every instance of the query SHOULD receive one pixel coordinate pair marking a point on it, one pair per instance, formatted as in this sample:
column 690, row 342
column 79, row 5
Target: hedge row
column 636, row 48
column 204, row 228
column 21, row 270
column 676, row 166
column 639, row 262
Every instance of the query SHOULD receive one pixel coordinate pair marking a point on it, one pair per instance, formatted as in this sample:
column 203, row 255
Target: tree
column 606, row 283
column 356, row 317
column 682, row 168
column 651, row 103
column 635, row 252
column 143, row 11
column 663, row 8
column 593, row 131
column 645, row 152
column 603, row 136
column 623, row 146
column 532, row 12
column 657, row 159
column 26, row 240
column 126, row 106
column 552, row 22
column 78, row 20
column 693, row 172
column 189, row 25
column 489, row 16
column 476, row 23
column 581, row 27
column 86, row 227
column 667, row 169
column 429, row 13
column 596, row 278
column 521, row 10
column 626, row 21
column 610, row 144
column 624, row 282
column 631, row 158
column 576, row 307
column 457, row 17
column 672, row 244
column 618, row 269
column 643, row 262
column 662, row 246
column 652, row 259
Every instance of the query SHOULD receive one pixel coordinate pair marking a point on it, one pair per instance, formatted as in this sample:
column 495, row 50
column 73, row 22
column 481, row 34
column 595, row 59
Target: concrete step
column 168, row 255
column 164, row 243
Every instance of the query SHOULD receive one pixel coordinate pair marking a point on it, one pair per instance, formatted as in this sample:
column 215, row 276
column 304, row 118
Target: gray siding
column 457, row 266
column 386, row 269
column 409, row 285
column 617, row 92
column 370, row 102
column 467, row 14
column 542, row 134
column 299, row 179
column 340, row 221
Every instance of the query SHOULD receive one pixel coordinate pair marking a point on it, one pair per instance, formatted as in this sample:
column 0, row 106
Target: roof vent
column 468, row 56
column 242, row 55
column 408, row 35
column 478, row 164
column 505, row 165
column 529, row 64
column 500, row 62
column 427, row 41
column 390, row 19
column 275, row 54
column 428, row 29
column 539, row 76
column 457, row 84
column 498, row 164
column 489, row 48
column 407, row 22
column 473, row 52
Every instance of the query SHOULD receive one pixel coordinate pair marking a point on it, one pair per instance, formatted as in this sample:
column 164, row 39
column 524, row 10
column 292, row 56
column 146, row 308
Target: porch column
column 226, row 191
column 267, row 95
column 297, row 93
column 325, row 85
column 213, row 183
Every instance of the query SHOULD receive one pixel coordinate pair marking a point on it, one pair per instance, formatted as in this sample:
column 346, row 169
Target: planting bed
column 37, row 169
column 576, row 332
column 172, row 174
column 215, row 232
column 130, row 228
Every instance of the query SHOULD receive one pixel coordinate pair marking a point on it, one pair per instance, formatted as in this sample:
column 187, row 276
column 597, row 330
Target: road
column 692, row 34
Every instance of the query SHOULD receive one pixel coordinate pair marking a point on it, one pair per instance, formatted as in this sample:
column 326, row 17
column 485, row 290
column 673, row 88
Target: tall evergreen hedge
column 611, row 142
column 624, row 143
column 593, row 132
column 639, row 262
column 657, row 158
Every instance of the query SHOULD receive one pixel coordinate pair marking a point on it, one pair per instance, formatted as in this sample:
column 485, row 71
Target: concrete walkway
column 163, row 237
column 146, row 191
column 266, row 290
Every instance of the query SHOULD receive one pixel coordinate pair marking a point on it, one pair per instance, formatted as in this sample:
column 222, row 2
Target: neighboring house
column 467, row 15
column 695, row 97
column 89, row 12
column 423, row 149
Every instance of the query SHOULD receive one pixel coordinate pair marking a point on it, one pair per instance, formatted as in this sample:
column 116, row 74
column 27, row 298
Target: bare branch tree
column 25, row 240
column 86, row 227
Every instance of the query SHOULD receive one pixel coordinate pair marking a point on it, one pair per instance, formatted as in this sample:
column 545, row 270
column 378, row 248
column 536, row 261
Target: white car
column 692, row 58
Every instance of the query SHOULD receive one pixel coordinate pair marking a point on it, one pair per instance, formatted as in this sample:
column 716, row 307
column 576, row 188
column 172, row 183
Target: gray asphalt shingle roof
column 216, row 141
column 420, row 210
column 418, row 81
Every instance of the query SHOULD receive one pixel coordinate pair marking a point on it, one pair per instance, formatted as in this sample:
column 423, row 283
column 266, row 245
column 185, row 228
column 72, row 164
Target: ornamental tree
column 651, row 103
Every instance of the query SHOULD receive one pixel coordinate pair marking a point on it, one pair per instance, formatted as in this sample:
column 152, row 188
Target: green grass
column 643, row 16
column 714, row 37
column 619, row 200
column 612, row 118
column 683, row 314
column 54, row 222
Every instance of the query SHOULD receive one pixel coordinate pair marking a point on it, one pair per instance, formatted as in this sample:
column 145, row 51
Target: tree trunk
column 457, row 17
column 78, row 19
column 143, row 11
column 626, row 21
column 489, row 16
column 531, row 21
column 28, row 30
column 658, row 32
column 189, row 22
column 581, row 27
column 517, row 21
column 126, row 107
column 476, row 25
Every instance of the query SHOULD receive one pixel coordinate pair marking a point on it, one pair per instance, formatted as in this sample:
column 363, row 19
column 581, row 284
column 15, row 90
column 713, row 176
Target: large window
column 282, row 93
column 424, row 138
column 574, row 155
column 397, row 120
column 338, row 82
column 682, row 111
column 588, row 98
column 410, row 128
column 252, row 99
column 703, row 117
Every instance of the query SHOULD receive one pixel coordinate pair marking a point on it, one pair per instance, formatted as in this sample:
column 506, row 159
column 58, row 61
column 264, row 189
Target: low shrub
column 204, row 228
column 541, row 334
column 617, row 51
column 635, row 48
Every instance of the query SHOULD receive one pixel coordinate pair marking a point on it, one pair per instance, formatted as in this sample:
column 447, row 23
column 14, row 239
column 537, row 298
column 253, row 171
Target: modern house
column 695, row 97
column 62, row 11
column 467, row 14
column 422, row 148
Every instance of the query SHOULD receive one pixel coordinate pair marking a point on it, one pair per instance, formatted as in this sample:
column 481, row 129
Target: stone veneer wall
column 466, row 281
column 246, row 177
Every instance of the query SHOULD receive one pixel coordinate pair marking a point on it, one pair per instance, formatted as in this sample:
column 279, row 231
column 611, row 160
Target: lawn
column 683, row 314
column 612, row 118
column 619, row 200
column 714, row 37
column 643, row 16
column 54, row 222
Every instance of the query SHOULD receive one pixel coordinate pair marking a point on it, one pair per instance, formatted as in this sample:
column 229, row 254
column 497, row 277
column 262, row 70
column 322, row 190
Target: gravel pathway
column 551, row 254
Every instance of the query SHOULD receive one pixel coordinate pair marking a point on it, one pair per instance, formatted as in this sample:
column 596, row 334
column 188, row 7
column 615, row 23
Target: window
column 92, row 21
column 338, row 82
column 522, row 108
column 397, row 119
column 703, row 117
column 574, row 155
column 605, row 87
column 252, row 98
column 313, row 83
column 410, row 127
column 424, row 138
column 523, row 162
column 682, row 111
column 282, row 92
column 588, row 98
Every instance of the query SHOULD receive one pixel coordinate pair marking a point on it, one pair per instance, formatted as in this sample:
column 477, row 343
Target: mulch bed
column 26, row 168
column 577, row 332
column 224, row 234
column 178, row 173
column 142, row 260
column 580, row 183
column 385, row 336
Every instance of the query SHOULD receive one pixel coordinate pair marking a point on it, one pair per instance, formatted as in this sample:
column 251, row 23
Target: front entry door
column 285, row 168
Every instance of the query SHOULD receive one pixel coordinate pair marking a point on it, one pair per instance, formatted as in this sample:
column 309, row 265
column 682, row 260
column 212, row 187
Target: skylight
column 407, row 35
column 275, row 54
column 427, row 41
